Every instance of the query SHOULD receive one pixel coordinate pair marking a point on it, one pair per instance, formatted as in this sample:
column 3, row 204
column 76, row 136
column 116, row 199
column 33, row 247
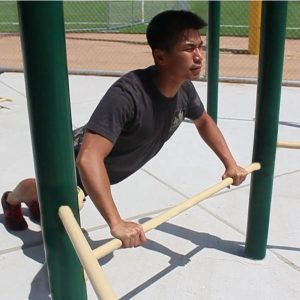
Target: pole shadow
column 290, row 124
column 33, row 248
column 200, row 239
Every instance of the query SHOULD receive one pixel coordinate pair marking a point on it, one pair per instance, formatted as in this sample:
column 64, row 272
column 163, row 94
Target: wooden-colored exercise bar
column 81, row 198
column 89, row 258
column 5, row 99
column 172, row 212
column 288, row 144
column 89, row 262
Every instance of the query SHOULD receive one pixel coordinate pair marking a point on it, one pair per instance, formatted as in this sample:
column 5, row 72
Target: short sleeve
column 113, row 112
column 195, row 105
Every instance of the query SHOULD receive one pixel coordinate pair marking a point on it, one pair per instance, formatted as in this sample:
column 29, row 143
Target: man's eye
column 189, row 49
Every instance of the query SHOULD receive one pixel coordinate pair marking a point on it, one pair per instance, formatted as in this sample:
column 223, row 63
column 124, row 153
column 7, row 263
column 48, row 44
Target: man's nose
column 198, row 54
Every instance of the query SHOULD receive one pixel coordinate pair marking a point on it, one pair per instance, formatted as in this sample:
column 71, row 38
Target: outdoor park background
column 108, row 37
column 212, row 236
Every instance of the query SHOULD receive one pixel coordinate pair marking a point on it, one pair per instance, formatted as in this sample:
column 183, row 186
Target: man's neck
column 166, row 84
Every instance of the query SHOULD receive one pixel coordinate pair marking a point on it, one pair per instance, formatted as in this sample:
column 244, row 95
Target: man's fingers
column 136, row 239
column 137, row 236
column 237, row 180
column 126, row 242
column 130, row 233
column 142, row 235
column 238, row 176
column 133, row 241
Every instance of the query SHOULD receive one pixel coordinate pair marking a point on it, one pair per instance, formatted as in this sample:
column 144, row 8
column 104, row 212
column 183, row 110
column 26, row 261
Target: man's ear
column 160, row 57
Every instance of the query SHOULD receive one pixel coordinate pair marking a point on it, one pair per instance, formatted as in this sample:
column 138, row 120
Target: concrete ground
column 198, row 254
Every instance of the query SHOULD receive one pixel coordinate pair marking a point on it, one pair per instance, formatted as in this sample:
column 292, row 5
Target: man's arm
column 93, row 173
column 213, row 137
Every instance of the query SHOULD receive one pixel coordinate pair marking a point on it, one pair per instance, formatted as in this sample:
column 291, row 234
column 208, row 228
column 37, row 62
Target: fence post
column 274, row 14
column 46, row 78
column 254, row 26
column 213, row 35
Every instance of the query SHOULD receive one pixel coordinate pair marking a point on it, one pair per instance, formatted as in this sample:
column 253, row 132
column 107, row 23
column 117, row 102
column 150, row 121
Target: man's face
column 184, row 60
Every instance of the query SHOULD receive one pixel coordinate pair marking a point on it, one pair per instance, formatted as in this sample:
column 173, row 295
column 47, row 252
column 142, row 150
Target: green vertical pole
column 213, row 35
column 274, row 14
column 46, row 78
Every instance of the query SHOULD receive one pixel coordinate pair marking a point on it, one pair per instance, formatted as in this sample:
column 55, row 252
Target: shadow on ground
column 200, row 239
column 33, row 248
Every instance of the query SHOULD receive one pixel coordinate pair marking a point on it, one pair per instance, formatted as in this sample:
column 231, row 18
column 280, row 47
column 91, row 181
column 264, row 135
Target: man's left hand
column 237, row 173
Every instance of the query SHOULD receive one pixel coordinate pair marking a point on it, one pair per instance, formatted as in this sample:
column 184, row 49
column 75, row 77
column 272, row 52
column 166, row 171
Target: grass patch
column 128, row 16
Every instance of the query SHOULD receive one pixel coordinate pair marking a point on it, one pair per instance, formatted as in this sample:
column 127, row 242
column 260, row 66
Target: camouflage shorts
column 77, row 138
column 77, row 141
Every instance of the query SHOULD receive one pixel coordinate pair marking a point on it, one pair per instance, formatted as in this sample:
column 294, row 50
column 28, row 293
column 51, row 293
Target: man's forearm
column 213, row 137
column 95, row 180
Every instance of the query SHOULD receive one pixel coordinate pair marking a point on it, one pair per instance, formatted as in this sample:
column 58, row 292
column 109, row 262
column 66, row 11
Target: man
column 137, row 115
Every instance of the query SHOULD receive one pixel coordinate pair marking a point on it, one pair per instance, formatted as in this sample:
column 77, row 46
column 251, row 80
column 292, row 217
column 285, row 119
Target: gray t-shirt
column 138, row 120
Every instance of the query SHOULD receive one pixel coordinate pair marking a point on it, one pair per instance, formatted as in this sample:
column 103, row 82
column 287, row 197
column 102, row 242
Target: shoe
column 34, row 209
column 13, row 215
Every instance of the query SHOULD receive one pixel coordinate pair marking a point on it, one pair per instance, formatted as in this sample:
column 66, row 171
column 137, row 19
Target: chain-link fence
column 108, row 37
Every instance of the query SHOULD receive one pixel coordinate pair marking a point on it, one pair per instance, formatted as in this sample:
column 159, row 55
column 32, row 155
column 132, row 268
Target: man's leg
column 24, row 192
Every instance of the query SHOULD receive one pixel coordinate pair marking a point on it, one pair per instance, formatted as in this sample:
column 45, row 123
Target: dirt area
column 123, row 52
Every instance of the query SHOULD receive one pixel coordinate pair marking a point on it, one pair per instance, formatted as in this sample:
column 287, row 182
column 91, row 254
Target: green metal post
column 274, row 14
column 46, row 78
column 213, row 34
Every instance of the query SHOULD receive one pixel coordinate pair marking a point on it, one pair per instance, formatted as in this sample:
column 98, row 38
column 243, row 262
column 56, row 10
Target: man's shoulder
column 133, row 83
column 136, row 76
column 188, row 89
column 188, row 85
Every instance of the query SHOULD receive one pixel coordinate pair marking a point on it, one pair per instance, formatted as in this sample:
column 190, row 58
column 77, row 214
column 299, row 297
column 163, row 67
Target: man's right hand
column 130, row 233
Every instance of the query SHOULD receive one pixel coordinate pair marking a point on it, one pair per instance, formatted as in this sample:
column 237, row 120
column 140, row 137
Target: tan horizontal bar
column 94, row 271
column 288, row 144
column 5, row 99
column 81, row 198
column 172, row 212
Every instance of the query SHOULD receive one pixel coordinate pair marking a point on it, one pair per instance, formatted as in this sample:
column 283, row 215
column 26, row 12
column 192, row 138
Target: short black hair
column 163, row 30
